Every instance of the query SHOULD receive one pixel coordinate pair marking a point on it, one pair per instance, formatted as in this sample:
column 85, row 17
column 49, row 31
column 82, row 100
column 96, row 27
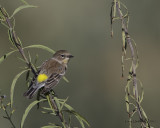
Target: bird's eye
column 62, row 56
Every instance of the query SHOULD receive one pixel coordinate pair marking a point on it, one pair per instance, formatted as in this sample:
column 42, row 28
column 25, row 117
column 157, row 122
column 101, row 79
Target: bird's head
column 63, row 56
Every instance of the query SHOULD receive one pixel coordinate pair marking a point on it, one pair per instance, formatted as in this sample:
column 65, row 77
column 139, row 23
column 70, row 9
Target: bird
column 50, row 73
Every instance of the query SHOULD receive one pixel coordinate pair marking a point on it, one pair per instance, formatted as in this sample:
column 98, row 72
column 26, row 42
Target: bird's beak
column 70, row 56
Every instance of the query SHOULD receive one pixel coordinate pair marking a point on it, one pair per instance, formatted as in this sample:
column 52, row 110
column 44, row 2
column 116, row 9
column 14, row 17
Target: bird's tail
column 31, row 92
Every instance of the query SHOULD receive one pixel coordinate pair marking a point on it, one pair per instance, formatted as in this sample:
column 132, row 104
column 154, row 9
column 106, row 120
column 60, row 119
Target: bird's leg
column 38, row 98
column 53, row 93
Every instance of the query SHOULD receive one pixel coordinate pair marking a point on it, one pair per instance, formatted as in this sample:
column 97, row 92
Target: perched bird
column 50, row 73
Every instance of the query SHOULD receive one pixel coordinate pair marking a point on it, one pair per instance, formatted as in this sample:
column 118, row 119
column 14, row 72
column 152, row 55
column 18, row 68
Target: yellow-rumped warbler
column 50, row 73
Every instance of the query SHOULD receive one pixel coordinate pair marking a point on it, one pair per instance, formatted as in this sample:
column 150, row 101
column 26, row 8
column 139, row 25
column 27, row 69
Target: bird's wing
column 54, row 71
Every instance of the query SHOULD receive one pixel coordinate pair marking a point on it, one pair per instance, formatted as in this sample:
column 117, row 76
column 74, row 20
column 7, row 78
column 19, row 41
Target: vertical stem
column 132, row 49
column 128, row 40
column 53, row 105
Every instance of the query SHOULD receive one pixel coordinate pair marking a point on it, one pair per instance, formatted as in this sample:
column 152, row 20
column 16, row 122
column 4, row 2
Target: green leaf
column 81, row 119
column 62, row 105
column 50, row 104
column 77, row 115
column 29, row 56
column 114, row 8
column 28, row 110
column 20, row 8
column 27, row 75
column 69, row 120
column 4, row 24
column 47, row 108
column 44, row 112
column 63, row 124
column 24, row 2
column 68, row 107
column 31, row 46
column 127, row 102
column 51, row 126
column 135, row 45
column 41, row 47
column 10, row 31
column 65, row 79
column 144, row 114
column 57, row 102
column 6, row 55
column 35, row 61
column 142, row 91
column 13, row 85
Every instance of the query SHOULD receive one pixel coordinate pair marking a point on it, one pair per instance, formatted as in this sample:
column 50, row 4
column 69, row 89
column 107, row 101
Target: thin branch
column 16, row 41
column 53, row 105
column 4, row 107
column 9, row 118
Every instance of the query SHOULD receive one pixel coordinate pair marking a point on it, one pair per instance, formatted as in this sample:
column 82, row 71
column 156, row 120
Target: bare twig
column 9, row 118
column 4, row 107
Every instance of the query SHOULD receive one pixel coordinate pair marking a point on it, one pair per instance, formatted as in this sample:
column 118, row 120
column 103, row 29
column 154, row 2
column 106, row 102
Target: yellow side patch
column 42, row 77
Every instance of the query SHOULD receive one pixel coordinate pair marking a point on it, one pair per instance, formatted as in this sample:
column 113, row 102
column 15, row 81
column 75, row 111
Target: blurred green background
column 96, row 89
